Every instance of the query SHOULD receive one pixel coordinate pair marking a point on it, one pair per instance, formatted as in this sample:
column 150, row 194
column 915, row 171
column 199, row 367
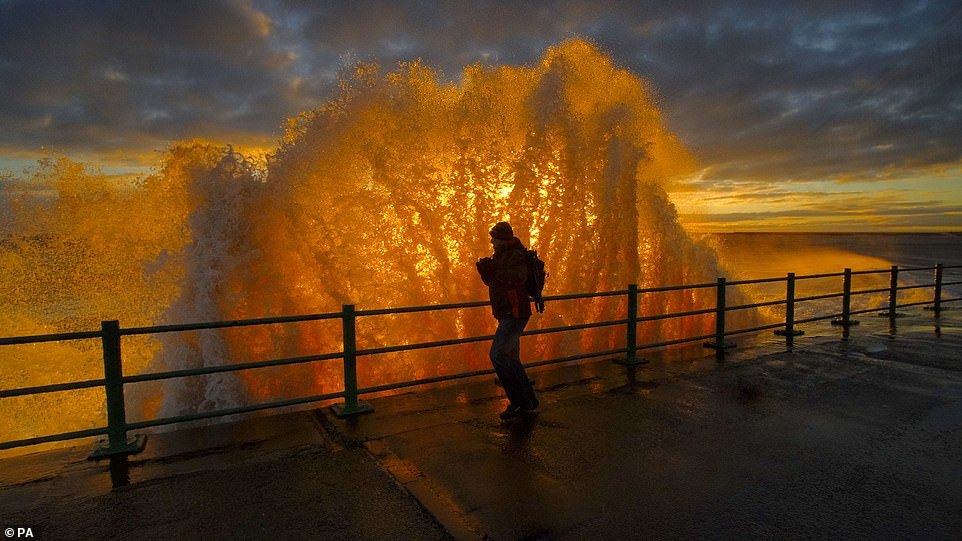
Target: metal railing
column 119, row 442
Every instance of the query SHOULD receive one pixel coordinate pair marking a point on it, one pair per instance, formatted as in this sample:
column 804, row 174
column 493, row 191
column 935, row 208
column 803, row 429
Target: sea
column 757, row 255
column 750, row 256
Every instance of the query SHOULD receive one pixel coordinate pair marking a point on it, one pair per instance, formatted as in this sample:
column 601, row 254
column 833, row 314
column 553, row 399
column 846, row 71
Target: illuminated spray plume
column 381, row 197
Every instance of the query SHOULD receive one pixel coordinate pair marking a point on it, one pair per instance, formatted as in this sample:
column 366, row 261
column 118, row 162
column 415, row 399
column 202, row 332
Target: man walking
column 505, row 274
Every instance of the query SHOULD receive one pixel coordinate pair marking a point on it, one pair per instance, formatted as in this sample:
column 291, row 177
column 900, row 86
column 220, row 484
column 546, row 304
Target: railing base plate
column 634, row 361
column 844, row 322
column 794, row 332
column 342, row 410
column 716, row 346
column 135, row 444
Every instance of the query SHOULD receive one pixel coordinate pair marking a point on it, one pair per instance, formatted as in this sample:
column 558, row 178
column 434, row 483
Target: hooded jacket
column 505, row 274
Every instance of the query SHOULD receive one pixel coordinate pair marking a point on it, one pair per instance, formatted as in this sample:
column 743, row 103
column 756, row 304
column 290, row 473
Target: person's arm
column 485, row 267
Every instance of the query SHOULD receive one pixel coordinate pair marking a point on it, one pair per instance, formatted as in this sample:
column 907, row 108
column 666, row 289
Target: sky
column 817, row 115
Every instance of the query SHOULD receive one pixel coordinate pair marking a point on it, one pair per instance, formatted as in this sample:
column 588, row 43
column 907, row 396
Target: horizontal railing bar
column 952, row 283
column 676, row 288
column 587, row 295
column 388, row 311
column 409, row 309
column 953, row 299
column 817, row 318
column 423, row 345
column 756, row 329
column 677, row 314
column 823, row 275
column 233, row 411
column 38, row 338
column 756, row 305
column 231, row 323
column 867, row 291
column 916, row 286
column 56, row 437
column 333, row 315
column 56, row 387
column 756, row 281
column 913, row 269
column 577, row 327
column 673, row 342
column 137, row 378
column 818, row 297
column 880, row 271
column 457, row 341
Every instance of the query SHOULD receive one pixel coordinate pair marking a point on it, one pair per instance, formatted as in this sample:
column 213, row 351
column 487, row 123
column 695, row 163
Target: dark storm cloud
column 808, row 90
column 848, row 90
column 760, row 90
column 106, row 75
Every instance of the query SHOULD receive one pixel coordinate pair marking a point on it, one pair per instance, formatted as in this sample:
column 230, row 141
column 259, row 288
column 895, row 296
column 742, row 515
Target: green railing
column 119, row 442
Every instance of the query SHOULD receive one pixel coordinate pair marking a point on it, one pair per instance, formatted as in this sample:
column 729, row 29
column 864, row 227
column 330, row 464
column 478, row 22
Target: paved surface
column 860, row 438
column 267, row 478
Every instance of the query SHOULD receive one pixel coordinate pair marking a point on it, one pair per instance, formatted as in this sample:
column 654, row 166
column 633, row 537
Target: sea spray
column 381, row 197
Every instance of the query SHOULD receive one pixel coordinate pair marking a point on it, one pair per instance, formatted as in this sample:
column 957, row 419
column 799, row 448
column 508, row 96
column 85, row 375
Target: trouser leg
column 497, row 358
column 506, row 359
column 526, row 388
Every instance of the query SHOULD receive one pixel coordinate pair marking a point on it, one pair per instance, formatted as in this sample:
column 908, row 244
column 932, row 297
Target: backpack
column 536, row 278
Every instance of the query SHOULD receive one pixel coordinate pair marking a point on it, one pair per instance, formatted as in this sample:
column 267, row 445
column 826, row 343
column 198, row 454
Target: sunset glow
column 816, row 117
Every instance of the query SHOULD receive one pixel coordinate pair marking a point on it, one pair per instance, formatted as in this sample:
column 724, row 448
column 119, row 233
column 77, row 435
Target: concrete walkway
column 860, row 438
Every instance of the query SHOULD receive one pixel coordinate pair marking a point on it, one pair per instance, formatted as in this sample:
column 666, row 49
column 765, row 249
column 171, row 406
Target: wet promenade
column 856, row 438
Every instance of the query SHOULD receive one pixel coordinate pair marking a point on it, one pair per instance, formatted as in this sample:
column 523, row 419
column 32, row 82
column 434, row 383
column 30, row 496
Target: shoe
column 533, row 403
column 510, row 412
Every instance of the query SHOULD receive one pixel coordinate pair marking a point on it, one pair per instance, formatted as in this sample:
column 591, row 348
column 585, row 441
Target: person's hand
column 485, row 267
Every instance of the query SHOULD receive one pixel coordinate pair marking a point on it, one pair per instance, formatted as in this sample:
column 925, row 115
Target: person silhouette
column 505, row 274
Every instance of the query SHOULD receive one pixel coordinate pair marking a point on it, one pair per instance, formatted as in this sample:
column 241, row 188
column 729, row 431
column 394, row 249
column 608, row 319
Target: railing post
column 937, row 301
column 720, row 345
column 893, row 295
column 117, row 442
column 789, row 331
column 846, row 320
column 631, row 331
column 351, row 405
